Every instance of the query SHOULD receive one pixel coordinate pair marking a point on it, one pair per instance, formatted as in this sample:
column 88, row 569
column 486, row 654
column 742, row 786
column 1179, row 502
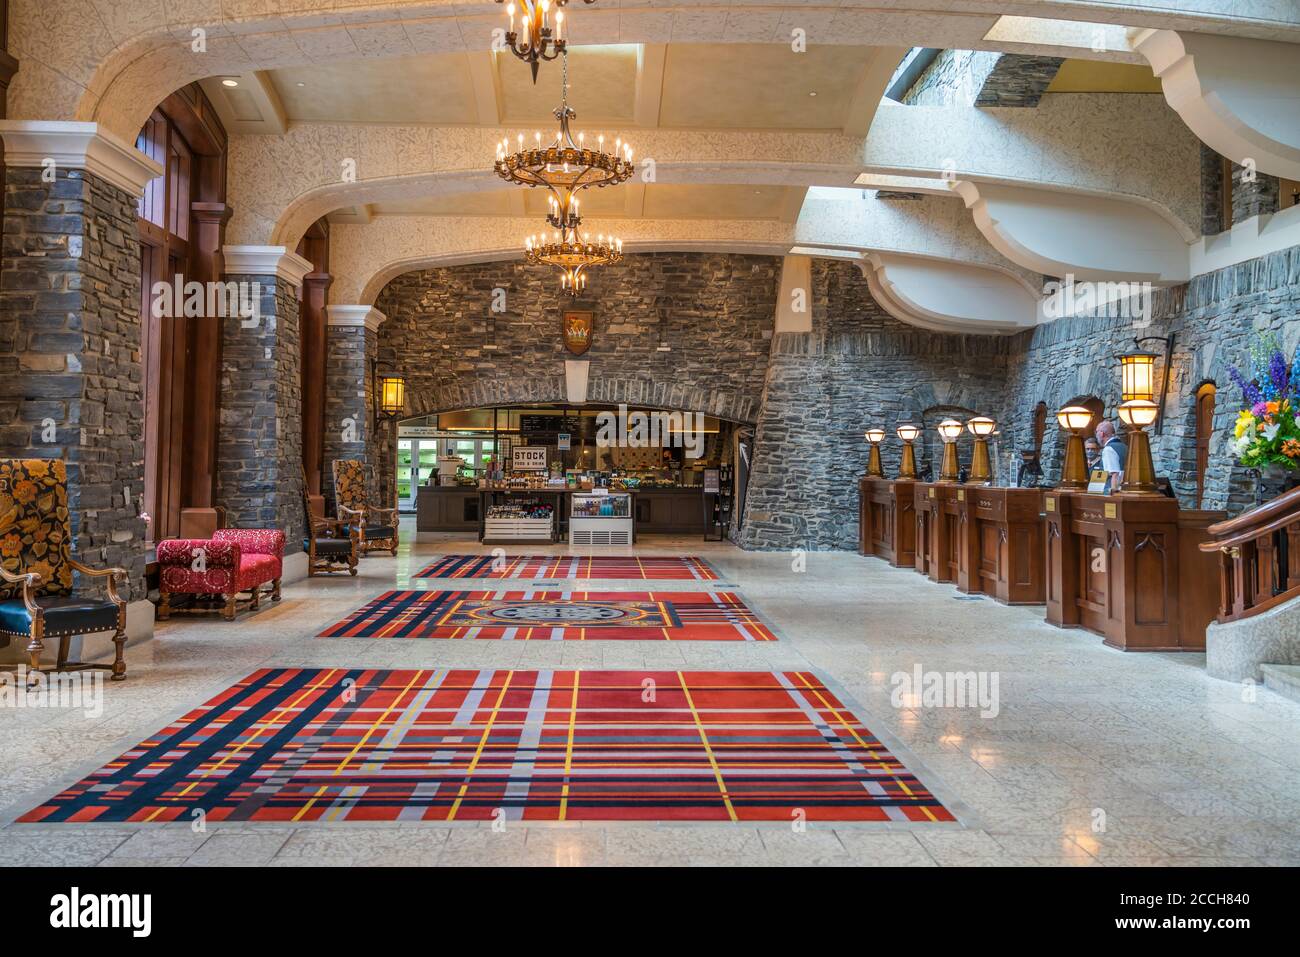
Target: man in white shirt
column 1113, row 453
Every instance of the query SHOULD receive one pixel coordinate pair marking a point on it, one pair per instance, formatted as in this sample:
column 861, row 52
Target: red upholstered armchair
column 232, row 562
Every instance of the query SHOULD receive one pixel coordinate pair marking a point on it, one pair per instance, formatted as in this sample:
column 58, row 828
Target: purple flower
column 1259, row 410
column 1249, row 391
column 1278, row 373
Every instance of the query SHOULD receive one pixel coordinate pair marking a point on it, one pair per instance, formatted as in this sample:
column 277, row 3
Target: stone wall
column 1254, row 195
column 348, row 401
column 259, row 451
column 858, row 368
column 715, row 312
column 70, row 363
column 1213, row 318
column 983, row 78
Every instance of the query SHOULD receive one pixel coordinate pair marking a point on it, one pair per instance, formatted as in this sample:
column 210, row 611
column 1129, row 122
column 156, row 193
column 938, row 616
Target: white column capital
column 278, row 261
column 367, row 316
column 73, row 145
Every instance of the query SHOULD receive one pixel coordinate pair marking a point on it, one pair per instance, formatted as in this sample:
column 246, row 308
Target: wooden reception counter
column 886, row 528
column 1000, row 552
column 1128, row 568
column 938, row 530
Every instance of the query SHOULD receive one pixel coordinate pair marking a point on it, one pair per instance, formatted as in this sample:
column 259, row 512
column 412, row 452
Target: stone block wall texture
column 1254, row 196
column 348, row 403
column 983, row 78
column 71, row 376
column 1213, row 318
column 259, row 450
column 858, row 368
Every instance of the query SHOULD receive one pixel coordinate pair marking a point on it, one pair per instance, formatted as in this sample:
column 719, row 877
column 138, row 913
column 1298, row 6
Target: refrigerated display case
column 596, row 519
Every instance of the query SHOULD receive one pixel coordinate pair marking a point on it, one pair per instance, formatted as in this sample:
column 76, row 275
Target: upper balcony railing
column 1259, row 557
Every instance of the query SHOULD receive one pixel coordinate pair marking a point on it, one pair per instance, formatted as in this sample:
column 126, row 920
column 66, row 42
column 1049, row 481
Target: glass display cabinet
column 601, row 519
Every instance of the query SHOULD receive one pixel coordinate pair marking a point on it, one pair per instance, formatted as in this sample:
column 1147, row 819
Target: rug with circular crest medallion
column 555, row 616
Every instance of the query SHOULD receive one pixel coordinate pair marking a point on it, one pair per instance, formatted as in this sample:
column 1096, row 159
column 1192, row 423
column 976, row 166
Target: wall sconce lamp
column 1139, row 471
column 949, row 430
column 981, row 469
column 389, row 390
column 1137, row 375
column 908, row 433
column 1075, row 419
column 875, row 437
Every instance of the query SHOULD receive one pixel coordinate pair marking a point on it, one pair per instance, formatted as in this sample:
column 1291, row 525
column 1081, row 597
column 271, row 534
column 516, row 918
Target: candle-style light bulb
column 559, row 24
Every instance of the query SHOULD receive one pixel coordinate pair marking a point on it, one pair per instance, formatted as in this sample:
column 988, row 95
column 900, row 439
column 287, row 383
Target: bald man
column 1113, row 452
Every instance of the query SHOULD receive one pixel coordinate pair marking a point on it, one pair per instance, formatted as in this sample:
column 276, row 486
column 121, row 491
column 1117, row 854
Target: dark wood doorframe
column 182, row 223
column 313, row 332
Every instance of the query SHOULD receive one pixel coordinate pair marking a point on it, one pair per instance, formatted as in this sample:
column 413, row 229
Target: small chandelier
column 572, row 255
column 567, row 164
column 541, row 42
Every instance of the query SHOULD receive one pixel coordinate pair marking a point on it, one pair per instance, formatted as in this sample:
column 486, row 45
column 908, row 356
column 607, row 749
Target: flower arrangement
column 1267, row 432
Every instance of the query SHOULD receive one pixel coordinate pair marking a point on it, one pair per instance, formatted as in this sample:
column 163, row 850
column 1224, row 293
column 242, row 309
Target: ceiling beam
column 649, row 83
column 870, row 89
column 792, row 203
column 487, row 87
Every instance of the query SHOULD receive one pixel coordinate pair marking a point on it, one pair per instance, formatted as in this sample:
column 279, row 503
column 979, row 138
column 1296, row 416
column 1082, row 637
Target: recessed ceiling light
column 229, row 82
column 812, row 92
column 300, row 83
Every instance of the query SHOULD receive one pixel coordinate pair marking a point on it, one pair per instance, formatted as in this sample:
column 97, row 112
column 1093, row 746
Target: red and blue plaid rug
column 555, row 567
column 291, row 744
column 555, row 616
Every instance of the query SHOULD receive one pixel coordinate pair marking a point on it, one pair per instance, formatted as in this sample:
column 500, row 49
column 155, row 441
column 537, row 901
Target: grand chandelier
column 572, row 255
column 565, row 167
column 541, row 43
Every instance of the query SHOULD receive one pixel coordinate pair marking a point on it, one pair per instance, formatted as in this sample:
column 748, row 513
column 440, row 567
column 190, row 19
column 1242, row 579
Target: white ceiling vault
column 757, row 146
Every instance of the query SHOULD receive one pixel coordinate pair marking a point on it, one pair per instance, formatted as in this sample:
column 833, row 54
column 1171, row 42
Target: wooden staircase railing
column 1259, row 557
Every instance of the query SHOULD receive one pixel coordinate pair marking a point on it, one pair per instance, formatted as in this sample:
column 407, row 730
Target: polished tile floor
column 1093, row 757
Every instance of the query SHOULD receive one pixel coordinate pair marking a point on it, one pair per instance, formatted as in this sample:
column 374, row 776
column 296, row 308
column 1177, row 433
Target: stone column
column 1253, row 197
column 352, row 347
column 259, row 453
column 71, row 383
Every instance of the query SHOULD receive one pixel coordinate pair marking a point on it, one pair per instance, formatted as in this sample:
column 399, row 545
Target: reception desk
column 886, row 527
column 938, row 523
column 1000, row 551
column 1128, row 568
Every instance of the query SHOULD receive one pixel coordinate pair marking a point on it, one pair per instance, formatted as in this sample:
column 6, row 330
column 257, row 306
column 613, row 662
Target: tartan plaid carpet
column 544, row 567
column 289, row 744
column 555, row 616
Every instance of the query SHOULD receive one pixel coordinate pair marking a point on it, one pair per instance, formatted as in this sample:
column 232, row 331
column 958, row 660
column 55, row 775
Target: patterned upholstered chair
column 233, row 561
column 378, row 526
column 331, row 546
column 36, row 566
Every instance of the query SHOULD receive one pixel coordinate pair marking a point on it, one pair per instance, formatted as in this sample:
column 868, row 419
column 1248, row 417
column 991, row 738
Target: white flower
column 1270, row 431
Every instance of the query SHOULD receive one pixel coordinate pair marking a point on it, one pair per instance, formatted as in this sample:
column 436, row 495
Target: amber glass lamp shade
column 949, row 429
column 392, row 394
column 1137, row 376
column 981, row 468
column 908, row 433
column 1139, row 470
column 1074, row 419
column 875, row 437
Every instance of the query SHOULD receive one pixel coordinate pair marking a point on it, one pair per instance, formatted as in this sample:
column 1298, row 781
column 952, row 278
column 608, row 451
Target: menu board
column 529, row 458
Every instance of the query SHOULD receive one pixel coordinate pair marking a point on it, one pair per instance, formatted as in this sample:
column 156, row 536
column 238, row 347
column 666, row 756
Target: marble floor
column 1094, row 757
